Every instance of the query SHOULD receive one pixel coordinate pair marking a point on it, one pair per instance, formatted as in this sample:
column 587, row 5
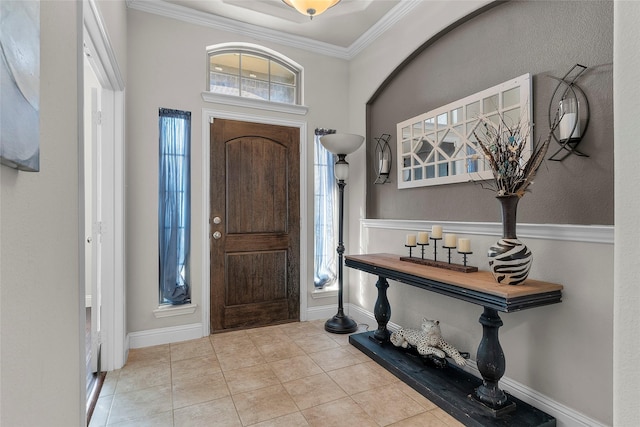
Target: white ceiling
column 341, row 31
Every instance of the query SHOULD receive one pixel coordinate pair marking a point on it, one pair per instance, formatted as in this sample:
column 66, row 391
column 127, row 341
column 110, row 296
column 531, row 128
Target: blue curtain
column 326, row 197
column 174, row 206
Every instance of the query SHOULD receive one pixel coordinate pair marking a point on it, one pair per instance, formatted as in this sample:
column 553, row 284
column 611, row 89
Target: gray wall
column 543, row 38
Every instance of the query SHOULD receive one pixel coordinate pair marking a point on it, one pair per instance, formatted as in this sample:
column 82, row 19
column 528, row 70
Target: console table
column 483, row 403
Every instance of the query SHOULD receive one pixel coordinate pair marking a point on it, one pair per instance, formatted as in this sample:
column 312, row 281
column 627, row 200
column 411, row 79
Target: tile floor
column 287, row 375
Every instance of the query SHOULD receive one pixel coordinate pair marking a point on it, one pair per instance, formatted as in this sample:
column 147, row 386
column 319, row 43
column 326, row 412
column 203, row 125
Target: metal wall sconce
column 383, row 159
column 570, row 105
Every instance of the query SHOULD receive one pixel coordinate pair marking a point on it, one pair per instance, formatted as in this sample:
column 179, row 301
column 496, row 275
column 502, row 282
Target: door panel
column 255, row 192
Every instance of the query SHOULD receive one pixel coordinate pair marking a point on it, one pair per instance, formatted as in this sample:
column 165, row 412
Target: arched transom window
column 253, row 72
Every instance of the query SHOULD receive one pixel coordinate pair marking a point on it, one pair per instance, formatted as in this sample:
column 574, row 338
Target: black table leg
column 382, row 311
column 491, row 363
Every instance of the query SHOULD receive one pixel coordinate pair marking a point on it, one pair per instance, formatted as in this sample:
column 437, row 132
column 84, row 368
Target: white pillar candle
column 567, row 124
column 450, row 240
column 423, row 237
column 464, row 245
column 411, row 239
column 384, row 166
column 436, row 232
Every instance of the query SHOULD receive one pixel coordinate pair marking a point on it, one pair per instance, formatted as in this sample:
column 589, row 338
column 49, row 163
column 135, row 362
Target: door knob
column 217, row 235
column 217, row 220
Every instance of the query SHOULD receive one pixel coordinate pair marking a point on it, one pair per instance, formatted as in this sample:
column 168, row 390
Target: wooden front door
column 254, row 224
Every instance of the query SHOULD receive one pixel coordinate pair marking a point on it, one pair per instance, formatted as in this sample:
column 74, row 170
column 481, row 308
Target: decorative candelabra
column 450, row 242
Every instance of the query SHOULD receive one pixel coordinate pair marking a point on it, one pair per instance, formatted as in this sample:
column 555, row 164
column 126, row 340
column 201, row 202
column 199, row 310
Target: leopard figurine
column 427, row 340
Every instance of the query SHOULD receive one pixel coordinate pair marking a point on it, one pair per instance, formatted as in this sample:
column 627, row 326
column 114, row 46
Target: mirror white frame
column 439, row 147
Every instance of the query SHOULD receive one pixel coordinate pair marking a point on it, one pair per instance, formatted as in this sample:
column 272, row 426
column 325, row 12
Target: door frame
column 103, row 61
column 208, row 115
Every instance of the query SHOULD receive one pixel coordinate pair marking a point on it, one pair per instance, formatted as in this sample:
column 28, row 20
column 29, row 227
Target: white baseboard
column 164, row 335
column 565, row 416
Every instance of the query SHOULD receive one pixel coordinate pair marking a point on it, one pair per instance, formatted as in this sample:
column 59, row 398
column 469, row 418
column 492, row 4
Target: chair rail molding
column 564, row 232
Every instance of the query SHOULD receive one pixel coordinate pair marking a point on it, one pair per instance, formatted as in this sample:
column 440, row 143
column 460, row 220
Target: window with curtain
column 325, row 215
column 174, row 206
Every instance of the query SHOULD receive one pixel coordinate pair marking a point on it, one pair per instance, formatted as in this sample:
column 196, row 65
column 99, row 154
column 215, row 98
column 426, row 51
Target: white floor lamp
column 341, row 144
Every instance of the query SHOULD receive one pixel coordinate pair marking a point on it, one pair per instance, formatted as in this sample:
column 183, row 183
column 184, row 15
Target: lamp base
column 340, row 324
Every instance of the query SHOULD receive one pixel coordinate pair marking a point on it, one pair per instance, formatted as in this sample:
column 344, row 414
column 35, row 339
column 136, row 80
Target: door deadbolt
column 217, row 235
column 217, row 220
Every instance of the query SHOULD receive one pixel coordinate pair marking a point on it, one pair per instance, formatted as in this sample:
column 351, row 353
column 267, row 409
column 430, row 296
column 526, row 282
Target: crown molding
column 394, row 15
column 170, row 10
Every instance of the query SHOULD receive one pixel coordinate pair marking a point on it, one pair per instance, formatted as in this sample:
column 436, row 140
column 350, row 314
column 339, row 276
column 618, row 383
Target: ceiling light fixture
column 311, row 8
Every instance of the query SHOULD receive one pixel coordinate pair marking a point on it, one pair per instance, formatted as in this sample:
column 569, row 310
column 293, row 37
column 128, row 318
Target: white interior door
column 97, row 228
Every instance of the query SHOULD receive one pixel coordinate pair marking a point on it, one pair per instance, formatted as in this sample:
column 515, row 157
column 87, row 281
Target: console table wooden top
column 478, row 287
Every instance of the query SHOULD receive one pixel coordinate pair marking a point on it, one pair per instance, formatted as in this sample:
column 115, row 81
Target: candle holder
column 435, row 247
column 410, row 248
column 464, row 257
column 422, row 245
column 439, row 264
column 449, row 249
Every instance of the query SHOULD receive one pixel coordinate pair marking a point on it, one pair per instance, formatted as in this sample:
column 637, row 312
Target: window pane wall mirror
column 438, row 147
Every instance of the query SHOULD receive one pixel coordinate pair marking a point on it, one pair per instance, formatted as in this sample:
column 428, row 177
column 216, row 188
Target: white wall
column 41, row 292
column 167, row 65
column 626, row 60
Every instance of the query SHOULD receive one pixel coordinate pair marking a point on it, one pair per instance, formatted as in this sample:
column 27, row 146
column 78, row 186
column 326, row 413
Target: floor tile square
column 250, row 378
column 146, row 355
column 139, row 404
column 163, row 419
column 295, row 368
column 222, row 410
column 314, row 390
column 425, row 419
column 315, row 343
column 335, row 358
column 245, row 356
column 343, row 412
column 191, row 391
column 189, row 349
column 278, row 350
column 264, row 404
column 138, row 377
column 195, row 367
column 292, row 420
column 402, row 406
column 361, row 377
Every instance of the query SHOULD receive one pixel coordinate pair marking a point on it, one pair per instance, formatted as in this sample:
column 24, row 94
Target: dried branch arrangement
column 504, row 147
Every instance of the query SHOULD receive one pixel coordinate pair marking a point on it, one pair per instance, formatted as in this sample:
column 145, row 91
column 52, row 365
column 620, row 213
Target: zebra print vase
column 509, row 259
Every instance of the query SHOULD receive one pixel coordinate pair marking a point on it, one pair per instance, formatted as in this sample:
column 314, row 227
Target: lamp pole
column 340, row 323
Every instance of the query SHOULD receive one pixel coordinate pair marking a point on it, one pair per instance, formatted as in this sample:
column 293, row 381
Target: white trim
column 563, row 232
column 324, row 293
column 208, row 116
column 161, row 336
column 257, row 32
column 103, row 61
column 565, row 415
column 404, row 7
column 259, row 104
column 174, row 310
column 87, row 301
